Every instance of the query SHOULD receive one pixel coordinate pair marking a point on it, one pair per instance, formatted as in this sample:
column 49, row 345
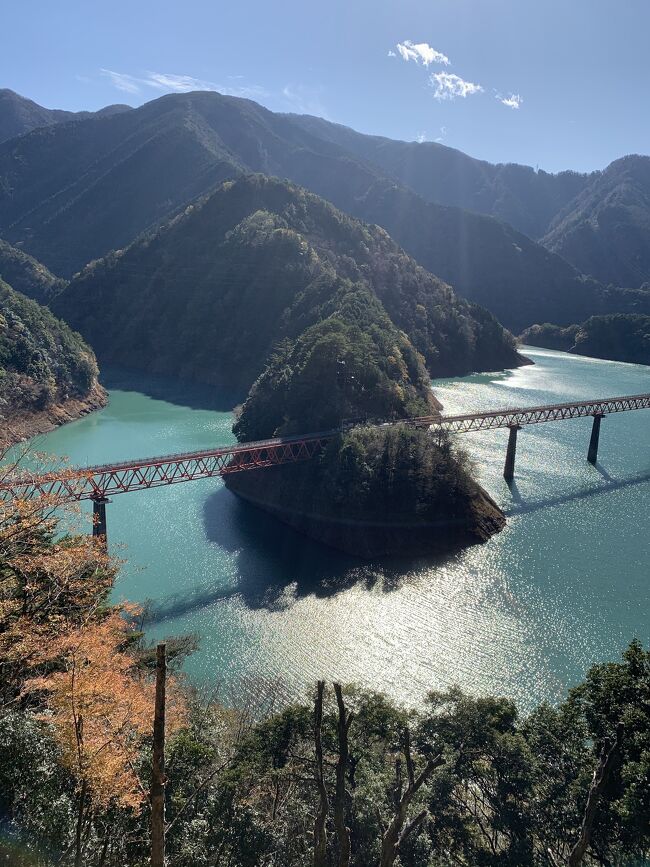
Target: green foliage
column 355, row 360
column 77, row 191
column 605, row 231
column 618, row 337
column 27, row 276
column 257, row 262
column 42, row 361
column 550, row 336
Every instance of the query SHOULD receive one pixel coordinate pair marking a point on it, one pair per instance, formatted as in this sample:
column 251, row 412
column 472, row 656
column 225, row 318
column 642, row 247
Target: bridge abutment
column 592, row 454
column 99, row 519
column 509, row 468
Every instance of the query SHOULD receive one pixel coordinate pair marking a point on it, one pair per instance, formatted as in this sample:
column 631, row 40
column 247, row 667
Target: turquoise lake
column 567, row 583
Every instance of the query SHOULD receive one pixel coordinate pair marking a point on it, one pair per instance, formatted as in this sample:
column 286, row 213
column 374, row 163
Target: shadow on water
column 276, row 566
column 180, row 392
column 522, row 506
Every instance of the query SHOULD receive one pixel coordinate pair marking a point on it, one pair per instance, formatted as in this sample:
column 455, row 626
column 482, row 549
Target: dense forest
column 616, row 338
column 259, row 261
column 72, row 192
column 373, row 490
column 328, row 321
column 43, row 364
column 26, row 275
column 345, row 777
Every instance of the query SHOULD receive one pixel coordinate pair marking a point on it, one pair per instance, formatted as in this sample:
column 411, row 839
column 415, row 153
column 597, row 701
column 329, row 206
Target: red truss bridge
column 97, row 483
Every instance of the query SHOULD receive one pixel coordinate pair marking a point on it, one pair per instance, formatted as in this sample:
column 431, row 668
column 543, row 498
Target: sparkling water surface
column 564, row 585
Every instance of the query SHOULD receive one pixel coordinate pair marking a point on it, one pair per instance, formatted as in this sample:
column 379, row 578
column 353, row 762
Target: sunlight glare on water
column 564, row 585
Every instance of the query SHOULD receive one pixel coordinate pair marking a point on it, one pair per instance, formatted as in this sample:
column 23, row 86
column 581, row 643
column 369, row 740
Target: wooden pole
column 158, row 768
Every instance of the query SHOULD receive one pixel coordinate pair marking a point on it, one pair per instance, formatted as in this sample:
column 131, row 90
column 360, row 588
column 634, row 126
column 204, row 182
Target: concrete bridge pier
column 99, row 518
column 509, row 468
column 592, row 454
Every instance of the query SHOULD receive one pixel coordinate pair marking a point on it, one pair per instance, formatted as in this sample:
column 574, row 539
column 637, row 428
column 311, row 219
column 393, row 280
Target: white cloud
column 443, row 133
column 391, row 54
column 421, row 137
column 448, row 86
column 512, row 101
column 176, row 83
column 421, row 52
column 169, row 82
column 121, row 81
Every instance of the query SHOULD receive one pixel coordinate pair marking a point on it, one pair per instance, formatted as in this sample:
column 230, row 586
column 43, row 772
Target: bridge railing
column 98, row 482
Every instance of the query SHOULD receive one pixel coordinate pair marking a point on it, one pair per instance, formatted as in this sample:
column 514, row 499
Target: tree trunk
column 608, row 757
column 342, row 831
column 80, row 822
column 320, row 833
column 158, row 765
column 398, row 830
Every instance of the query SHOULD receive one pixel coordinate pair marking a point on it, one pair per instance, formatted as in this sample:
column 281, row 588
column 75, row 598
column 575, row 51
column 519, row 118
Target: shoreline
column 25, row 425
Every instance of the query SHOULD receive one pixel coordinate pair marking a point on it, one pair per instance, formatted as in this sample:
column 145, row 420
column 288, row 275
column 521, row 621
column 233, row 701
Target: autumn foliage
column 71, row 658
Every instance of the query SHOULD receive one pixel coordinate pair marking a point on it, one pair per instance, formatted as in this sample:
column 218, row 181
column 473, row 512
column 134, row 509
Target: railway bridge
column 99, row 483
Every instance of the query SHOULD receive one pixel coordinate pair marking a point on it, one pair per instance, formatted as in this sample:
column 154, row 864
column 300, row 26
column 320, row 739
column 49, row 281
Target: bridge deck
column 105, row 480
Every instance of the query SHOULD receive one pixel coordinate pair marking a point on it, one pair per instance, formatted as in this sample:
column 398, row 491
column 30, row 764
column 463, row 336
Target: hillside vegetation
column 72, row 192
column 26, row 275
column 605, row 231
column 598, row 222
column 43, row 366
column 616, row 338
column 210, row 295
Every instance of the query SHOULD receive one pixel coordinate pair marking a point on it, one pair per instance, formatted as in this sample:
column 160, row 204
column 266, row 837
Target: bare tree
column 342, row 831
column 320, row 832
column 609, row 755
column 399, row 829
column 158, row 769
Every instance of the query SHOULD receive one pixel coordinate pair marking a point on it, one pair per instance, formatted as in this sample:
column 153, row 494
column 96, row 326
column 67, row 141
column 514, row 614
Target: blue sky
column 558, row 84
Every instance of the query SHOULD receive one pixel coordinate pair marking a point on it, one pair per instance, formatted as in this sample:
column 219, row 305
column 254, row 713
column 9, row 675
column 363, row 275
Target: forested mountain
column 44, row 366
column 209, row 295
column 605, row 231
column 25, row 274
column 72, row 192
column 19, row 115
column 519, row 195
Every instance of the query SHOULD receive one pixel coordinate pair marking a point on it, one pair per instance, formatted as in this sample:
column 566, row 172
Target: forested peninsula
column 314, row 319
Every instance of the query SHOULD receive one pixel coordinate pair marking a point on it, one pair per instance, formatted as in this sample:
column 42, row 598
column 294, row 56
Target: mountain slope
column 517, row 194
column 47, row 373
column 208, row 296
column 19, row 115
column 72, row 192
column 605, row 231
column 25, row 274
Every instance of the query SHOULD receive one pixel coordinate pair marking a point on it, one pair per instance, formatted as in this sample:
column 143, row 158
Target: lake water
column 564, row 585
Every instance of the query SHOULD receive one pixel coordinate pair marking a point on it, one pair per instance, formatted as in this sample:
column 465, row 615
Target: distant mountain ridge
column 70, row 193
column 605, row 230
column 517, row 194
column 19, row 115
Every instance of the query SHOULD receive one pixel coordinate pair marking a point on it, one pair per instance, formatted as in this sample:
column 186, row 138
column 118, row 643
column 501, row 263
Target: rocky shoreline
column 22, row 425
column 370, row 539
